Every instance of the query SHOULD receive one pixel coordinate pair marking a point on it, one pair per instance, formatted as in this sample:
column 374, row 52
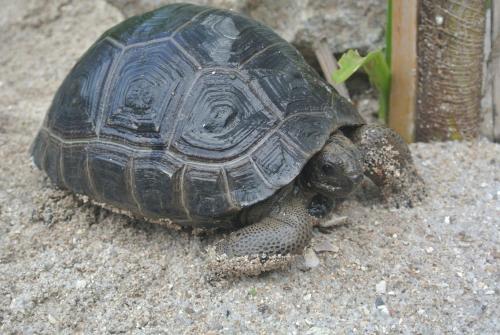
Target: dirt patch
column 429, row 269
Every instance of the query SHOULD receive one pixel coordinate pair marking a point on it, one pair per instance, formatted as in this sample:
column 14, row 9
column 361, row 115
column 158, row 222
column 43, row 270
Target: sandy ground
column 66, row 267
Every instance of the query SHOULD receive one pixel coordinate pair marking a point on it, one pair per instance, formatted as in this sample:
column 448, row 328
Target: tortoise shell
column 189, row 113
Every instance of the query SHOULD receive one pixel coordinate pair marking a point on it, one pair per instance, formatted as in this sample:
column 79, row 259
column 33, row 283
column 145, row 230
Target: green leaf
column 377, row 69
column 252, row 292
column 375, row 65
column 349, row 63
column 380, row 76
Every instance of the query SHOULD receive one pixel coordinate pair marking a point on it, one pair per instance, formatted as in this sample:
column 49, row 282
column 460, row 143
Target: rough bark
column 450, row 56
column 494, row 67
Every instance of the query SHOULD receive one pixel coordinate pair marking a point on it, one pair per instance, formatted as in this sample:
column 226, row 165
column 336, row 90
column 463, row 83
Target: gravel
column 67, row 267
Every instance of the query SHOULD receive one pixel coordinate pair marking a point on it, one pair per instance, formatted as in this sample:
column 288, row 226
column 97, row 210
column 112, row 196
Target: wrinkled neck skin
column 301, row 201
column 299, row 198
column 287, row 201
column 317, row 204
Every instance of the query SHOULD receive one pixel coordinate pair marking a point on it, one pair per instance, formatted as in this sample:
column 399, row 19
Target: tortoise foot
column 222, row 266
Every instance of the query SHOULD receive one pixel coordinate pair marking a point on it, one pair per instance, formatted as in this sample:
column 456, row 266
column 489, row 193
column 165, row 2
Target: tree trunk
column 494, row 67
column 450, row 56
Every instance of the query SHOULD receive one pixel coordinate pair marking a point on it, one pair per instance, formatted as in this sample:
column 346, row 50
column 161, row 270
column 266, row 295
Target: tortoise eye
column 332, row 168
column 327, row 169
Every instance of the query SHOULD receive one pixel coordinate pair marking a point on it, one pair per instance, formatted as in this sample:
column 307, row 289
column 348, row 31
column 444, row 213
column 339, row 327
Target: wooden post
column 404, row 68
column 328, row 65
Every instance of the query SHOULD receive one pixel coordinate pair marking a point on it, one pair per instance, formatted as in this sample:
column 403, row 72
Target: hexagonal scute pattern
column 278, row 57
column 225, row 38
column 145, row 92
column 160, row 23
column 188, row 113
column 205, row 196
column 108, row 170
column 278, row 161
column 74, row 168
column 76, row 103
column 309, row 132
column 157, row 185
column 295, row 91
column 246, row 185
column 221, row 119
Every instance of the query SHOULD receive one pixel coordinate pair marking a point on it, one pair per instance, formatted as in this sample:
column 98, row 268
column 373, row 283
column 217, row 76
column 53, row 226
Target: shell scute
column 189, row 113
column 75, row 106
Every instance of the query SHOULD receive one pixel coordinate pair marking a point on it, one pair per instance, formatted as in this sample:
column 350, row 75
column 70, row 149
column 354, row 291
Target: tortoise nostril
column 356, row 177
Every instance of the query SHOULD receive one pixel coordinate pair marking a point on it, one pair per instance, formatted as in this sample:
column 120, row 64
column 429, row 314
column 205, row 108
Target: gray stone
column 319, row 331
column 310, row 258
column 324, row 245
column 381, row 287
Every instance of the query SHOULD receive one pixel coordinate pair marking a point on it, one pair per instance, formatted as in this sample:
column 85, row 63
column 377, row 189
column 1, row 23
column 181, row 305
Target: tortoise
column 208, row 118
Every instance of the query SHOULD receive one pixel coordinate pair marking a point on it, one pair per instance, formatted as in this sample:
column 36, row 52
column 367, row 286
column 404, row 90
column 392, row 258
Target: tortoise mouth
column 338, row 186
column 325, row 189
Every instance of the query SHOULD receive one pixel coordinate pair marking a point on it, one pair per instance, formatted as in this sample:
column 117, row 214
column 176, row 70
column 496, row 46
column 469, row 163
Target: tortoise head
column 336, row 171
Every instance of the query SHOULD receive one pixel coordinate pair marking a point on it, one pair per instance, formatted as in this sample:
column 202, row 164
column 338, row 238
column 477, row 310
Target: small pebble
column 334, row 222
column 51, row 319
column 311, row 260
column 80, row 284
column 379, row 302
column 381, row 287
column 429, row 250
column 318, row 331
column 325, row 246
column 381, row 306
column 384, row 310
column 263, row 308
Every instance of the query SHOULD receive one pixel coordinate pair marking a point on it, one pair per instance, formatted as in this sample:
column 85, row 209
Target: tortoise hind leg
column 286, row 230
column 388, row 163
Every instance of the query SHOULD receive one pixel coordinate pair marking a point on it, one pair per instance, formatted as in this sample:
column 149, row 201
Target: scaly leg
column 286, row 230
column 269, row 244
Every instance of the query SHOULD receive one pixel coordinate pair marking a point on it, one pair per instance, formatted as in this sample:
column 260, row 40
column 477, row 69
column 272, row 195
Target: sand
column 68, row 267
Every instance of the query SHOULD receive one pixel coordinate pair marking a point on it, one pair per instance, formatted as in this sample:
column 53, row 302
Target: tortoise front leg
column 286, row 230
column 266, row 245
column 388, row 163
